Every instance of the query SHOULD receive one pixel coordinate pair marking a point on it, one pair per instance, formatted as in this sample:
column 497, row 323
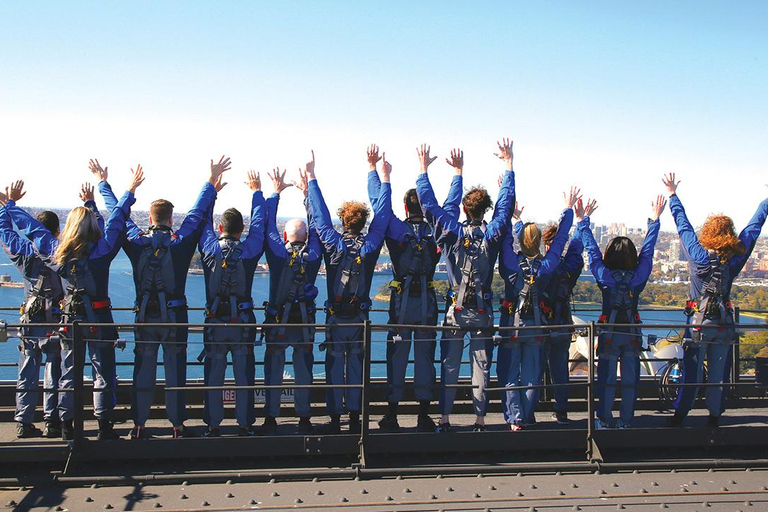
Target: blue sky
column 607, row 95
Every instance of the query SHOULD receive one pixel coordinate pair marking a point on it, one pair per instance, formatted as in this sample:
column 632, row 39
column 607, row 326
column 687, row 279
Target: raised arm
column 41, row 238
column 684, row 228
column 196, row 216
column 114, row 230
column 254, row 242
column 552, row 258
column 573, row 260
column 748, row 237
column 382, row 212
column 517, row 214
column 374, row 183
column 15, row 245
column 323, row 222
column 596, row 266
column 506, row 199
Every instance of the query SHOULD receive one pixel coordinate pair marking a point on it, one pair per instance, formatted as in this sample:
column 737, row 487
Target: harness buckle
column 3, row 331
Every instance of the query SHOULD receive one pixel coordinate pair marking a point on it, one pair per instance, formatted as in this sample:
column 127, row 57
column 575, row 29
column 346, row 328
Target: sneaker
column 514, row 427
column 245, row 431
column 67, row 430
column 138, row 432
column 26, row 430
column 601, row 425
column 211, row 432
column 106, row 431
column 305, row 426
column 425, row 423
column 52, row 429
column 269, row 428
column 332, row 427
column 714, row 421
column 389, row 424
column 561, row 417
column 479, row 428
column 621, row 425
column 182, row 431
column 444, row 428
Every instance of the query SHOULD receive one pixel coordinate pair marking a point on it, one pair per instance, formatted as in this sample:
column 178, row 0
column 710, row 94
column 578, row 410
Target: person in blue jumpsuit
column 350, row 259
column 82, row 256
column 474, row 316
column 179, row 247
column 294, row 260
column 520, row 353
column 228, row 267
column 621, row 276
column 715, row 258
column 414, row 253
column 43, row 291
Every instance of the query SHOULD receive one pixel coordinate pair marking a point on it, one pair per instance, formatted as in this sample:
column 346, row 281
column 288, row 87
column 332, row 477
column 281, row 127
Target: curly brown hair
column 353, row 215
column 476, row 202
column 549, row 234
column 719, row 235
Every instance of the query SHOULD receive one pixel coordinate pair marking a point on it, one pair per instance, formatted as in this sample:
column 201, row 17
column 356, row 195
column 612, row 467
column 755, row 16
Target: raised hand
column 220, row 183
column 254, row 181
column 3, row 198
column 658, row 205
column 517, row 213
column 309, row 168
column 571, row 197
column 386, row 168
column 86, row 192
column 278, row 180
column 218, row 169
column 373, row 156
column 303, row 183
column 95, row 167
column 15, row 191
column 590, row 207
column 424, row 159
column 456, row 160
column 505, row 152
column 137, row 178
column 669, row 182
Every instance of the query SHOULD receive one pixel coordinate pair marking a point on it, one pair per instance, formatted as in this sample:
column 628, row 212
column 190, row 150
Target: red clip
column 458, row 309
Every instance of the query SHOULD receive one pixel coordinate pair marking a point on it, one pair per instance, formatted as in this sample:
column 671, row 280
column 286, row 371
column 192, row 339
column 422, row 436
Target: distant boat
column 7, row 282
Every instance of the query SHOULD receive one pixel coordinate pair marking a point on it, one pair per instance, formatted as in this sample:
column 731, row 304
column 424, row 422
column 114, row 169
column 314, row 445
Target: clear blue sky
column 607, row 95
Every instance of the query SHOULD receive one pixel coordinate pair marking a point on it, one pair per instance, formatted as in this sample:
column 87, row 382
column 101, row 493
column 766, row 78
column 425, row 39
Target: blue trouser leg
column 502, row 368
column 630, row 377
column 51, row 377
column 334, row 371
column 717, row 361
column 274, row 366
column 103, row 369
column 29, row 380
column 530, row 374
column 303, row 361
column 67, row 382
column 424, row 364
column 557, row 358
column 175, row 365
column 512, row 404
column 693, row 371
column 344, row 358
column 216, row 361
column 144, row 380
column 397, row 364
column 451, row 347
column 242, row 358
column 353, row 396
column 481, row 356
column 606, row 385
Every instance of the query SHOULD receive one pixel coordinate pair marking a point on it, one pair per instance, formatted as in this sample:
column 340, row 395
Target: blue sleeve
column 453, row 200
column 574, row 260
column 509, row 261
column 374, row 187
column 504, row 205
column 645, row 258
column 322, row 217
column 41, row 238
column 91, row 205
column 110, row 200
column 314, row 246
column 599, row 270
column 687, row 234
column 748, row 237
column 552, row 258
column 275, row 245
column 445, row 219
column 196, row 215
column 518, row 228
column 16, row 245
column 382, row 213
column 254, row 242
column 209, row 242
column 114, row 230
column 398, row 230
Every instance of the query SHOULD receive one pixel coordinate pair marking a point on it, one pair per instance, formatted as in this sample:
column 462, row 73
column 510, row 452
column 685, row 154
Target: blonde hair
column 530, row 240
column 80, row 230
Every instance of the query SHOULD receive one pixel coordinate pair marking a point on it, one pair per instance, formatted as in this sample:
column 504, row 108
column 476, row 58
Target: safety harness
column 415, row 266
column 44, row 296
column 556, row 296
column 295, row 296
column 623, row 308
column 80, row 301
column 349, row 281
column 472, row 259
column 714, row 303
column 227, row 284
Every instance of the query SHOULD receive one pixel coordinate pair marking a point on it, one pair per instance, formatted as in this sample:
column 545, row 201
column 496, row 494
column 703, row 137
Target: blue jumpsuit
column 450, row 232
column 34, row 341
column 347, row 342
column 278, row 339
column 100, row 342
column 220, row 341
column 399, row 236
column 620, row 345
column 174, row 340
column 519, row 359
column 716, row 344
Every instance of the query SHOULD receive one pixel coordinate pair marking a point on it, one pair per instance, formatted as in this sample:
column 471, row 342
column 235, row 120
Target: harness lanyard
column 623, row 300
column 468, row 270
column 714, row 289
column 151, row 283
column 350, row 272
column 417, row 265
column 295, row 294
column 528, row 293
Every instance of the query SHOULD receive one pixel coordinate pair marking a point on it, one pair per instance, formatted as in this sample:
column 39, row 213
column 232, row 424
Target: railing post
column 366, row 396
column 78, row 353
column 736, row 361
column 593, row 452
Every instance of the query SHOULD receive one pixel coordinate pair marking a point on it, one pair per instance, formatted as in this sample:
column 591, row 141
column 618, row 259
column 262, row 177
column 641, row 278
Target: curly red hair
column 353, row 215
column 719, row 235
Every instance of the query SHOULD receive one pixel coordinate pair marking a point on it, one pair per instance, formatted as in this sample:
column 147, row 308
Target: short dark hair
column 161, row 211
column 476, row 202
column 621, row 254
column 412, row 203
column 50, row 220
column 232, row 222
